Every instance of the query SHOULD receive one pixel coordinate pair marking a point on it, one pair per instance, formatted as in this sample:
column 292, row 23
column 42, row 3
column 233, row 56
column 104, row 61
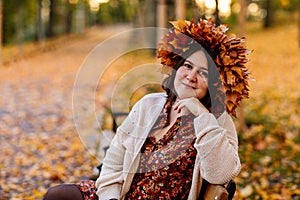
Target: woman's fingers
column 192, row 105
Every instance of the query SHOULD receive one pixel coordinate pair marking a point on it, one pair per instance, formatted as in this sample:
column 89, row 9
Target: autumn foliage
column 40, row 146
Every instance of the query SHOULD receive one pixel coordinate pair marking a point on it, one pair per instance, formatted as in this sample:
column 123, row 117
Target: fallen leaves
column 39, row 145
column 270, row 148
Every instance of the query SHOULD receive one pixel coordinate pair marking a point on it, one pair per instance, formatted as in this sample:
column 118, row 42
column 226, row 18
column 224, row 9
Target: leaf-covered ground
column 270, row 147
column 40, row 145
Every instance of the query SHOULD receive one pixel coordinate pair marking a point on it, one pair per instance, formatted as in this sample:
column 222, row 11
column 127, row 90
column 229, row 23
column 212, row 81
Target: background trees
column 39, row 20
column 35, row 20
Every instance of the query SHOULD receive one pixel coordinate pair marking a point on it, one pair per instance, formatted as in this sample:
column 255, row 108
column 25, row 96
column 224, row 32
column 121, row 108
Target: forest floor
column 41, row 144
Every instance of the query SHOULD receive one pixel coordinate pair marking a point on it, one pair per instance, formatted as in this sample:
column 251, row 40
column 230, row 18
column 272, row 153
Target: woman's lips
column 188, row 86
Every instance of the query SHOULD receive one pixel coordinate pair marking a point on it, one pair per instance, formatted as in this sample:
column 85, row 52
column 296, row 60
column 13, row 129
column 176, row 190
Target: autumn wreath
column 229, row 50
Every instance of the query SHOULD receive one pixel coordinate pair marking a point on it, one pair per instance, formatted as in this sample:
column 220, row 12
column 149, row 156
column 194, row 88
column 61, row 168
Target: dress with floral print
column 88, row 189
column 166, row 166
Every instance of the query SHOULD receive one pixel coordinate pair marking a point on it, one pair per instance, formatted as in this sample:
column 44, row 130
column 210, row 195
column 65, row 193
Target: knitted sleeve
column 111, row 178
column 217, row 146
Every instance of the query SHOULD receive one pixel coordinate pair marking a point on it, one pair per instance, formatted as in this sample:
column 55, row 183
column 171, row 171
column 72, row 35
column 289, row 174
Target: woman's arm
column 111, row 179
column 217, row 146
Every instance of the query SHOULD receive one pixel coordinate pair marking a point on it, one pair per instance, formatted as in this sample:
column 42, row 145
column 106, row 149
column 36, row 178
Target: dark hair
column 213, row 77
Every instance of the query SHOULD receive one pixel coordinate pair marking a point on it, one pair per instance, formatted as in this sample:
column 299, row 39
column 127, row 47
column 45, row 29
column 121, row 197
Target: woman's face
column 191, row 79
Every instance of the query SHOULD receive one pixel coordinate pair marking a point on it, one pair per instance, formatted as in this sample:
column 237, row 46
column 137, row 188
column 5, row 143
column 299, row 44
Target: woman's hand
column 191, row 104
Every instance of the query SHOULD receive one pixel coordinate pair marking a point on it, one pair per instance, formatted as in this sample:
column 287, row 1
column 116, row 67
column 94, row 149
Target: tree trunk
column 80, row 17
column 140, row 18
column 50, row 30
column 39, row 22
column 242, row 17
column 19, row 28
column 269, row 16
column 180, row 9
column 161, row 17
column 69, row 18
column 217, row 15
column 161, row 14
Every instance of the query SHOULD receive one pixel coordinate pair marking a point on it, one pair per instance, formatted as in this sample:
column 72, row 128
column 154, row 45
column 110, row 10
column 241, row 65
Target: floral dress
column 88, row 189
column 166, row 166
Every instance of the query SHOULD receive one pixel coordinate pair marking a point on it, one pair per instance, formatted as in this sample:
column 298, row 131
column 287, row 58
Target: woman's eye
column 188, row 66
column 203, row 73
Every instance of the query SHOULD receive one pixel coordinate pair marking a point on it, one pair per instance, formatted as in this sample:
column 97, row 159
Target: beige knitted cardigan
column 217, row 158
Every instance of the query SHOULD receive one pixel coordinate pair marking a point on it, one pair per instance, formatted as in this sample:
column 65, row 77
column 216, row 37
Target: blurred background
column 44, row 43
column 39, row 20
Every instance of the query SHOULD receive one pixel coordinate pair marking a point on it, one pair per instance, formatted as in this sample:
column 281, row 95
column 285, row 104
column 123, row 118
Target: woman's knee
column 63, row 192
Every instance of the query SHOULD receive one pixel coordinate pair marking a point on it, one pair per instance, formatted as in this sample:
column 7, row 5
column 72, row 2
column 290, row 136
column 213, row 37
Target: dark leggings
column 64, row 192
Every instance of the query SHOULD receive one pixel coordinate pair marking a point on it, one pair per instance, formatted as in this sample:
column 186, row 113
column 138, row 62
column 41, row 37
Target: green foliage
column 18, row 18
column 116, row 11
column 8, row 24
column 21, row 16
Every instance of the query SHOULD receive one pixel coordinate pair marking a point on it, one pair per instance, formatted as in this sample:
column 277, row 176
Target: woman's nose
column 191, row 76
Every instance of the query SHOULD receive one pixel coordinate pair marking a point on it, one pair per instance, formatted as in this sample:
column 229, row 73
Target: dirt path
column 39, row 143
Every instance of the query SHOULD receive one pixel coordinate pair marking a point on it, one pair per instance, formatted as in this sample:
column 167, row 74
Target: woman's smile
column 189, row 86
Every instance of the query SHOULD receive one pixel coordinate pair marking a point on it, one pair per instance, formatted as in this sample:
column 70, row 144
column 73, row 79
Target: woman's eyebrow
column 201, row 67
column 187, row 61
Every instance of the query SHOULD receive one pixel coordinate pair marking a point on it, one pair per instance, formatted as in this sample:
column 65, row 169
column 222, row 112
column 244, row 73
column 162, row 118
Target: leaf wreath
column 229, row 50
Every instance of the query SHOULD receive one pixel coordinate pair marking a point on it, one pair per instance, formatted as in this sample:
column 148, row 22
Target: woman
column 171, row 141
